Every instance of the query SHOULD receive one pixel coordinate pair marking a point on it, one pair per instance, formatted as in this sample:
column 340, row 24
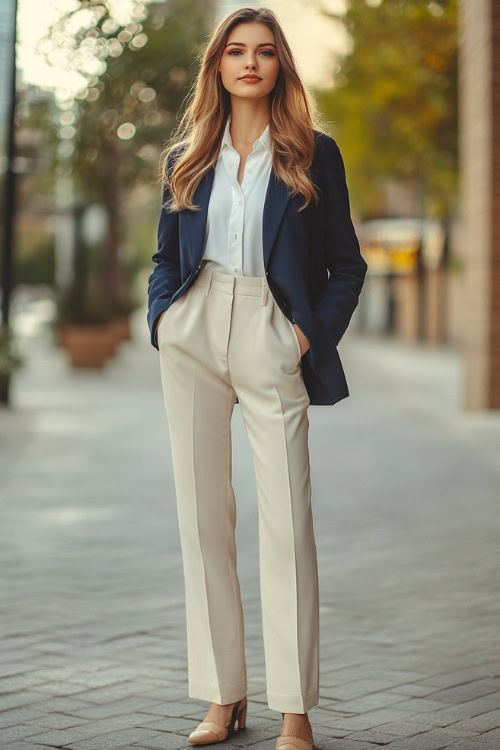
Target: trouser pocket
column 288, row 323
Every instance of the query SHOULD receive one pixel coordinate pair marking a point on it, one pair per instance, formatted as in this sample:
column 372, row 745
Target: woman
column 258, row 274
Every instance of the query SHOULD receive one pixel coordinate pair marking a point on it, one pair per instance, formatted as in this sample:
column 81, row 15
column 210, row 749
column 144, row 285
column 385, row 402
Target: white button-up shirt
column 233, row 235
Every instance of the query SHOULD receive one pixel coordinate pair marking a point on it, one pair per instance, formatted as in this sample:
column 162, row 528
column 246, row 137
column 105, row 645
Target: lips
column 250, row 78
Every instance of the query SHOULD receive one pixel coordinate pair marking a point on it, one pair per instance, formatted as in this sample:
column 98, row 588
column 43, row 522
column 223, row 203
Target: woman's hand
column 303, row 340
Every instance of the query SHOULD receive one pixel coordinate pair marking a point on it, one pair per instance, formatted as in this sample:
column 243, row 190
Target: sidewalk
column 406, row 490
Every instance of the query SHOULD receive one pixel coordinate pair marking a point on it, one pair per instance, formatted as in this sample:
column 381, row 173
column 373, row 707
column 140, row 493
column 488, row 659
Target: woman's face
column 249, row 50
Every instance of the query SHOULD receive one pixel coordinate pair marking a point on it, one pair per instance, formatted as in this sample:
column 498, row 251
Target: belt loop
column 209, row 283
column 265, row 291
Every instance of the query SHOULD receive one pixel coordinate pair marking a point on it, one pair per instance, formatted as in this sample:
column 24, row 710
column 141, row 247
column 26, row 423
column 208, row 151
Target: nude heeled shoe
column 208, row 731
column 292, row 742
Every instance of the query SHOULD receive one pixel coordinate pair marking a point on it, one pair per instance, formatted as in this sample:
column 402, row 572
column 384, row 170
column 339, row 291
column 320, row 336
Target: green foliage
column 83, row 306
column 117, row 126
column 126, row 111
column 10, row 357
column 394, row 107
column 35, row 257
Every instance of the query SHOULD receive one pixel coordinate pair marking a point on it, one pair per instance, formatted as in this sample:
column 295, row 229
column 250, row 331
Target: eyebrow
column 262, row 44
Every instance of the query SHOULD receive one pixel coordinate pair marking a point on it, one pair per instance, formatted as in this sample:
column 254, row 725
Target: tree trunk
column 112, row 271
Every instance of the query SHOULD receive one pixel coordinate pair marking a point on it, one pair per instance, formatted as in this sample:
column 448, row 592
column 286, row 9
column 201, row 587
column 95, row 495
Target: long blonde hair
column 199, row 134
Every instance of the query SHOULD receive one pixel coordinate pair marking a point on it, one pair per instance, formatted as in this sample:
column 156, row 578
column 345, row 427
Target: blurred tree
column 138, row 72
column 394, row 105
column 36, row 118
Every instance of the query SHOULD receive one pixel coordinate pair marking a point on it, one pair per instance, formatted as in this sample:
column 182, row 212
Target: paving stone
column 433, row 740
column 413, row 689
column 482, row 723
column 466, row 692
column 117, row 708
column 455, row 678
column 342, row 744
column 173, row 742
column 358, row 689
column 114, row 692
column 492, row 737
column 60, row 688
column 427, row 741
column 404, row 728
column 57, row 736
column 11, row 668
column 462, row 711
column 20, row 731
column 371, row 736
column 19, row 698
column 367, row 720
column 15, row 716
column 173, row 724
column 116, row 740
column 419, row 705
column 57, row 721
column 64, row 704
column 18, row 682
column 463, row 745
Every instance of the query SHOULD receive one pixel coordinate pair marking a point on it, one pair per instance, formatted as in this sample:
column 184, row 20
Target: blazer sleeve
column 346, row 266
column 165, row 279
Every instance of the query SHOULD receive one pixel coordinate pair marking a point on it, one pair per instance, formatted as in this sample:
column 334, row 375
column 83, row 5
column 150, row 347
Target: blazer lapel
column 275, row 203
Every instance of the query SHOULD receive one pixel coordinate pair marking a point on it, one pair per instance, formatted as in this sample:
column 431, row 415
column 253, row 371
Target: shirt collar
column 265, row 138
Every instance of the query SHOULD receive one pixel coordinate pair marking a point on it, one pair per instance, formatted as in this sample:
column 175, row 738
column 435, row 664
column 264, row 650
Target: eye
column 265, row 52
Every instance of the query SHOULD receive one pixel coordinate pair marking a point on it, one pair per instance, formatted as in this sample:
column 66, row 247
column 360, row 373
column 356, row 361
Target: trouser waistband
column 210, row 279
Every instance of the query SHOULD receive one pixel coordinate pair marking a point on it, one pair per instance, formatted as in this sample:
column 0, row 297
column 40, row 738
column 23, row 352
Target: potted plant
column 10, row 359
column 85, row 331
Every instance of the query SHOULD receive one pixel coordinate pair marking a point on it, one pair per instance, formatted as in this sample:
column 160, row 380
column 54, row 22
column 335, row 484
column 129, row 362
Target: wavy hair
column 198, row 136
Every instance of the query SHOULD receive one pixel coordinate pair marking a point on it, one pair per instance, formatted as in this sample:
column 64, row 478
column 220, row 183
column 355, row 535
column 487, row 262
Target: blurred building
column 480, row 179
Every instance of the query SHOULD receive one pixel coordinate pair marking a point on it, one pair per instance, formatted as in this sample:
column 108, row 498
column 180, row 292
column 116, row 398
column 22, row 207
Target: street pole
column 9, row 202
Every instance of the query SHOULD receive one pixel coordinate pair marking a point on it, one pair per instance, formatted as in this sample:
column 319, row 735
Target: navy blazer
column 312, row 261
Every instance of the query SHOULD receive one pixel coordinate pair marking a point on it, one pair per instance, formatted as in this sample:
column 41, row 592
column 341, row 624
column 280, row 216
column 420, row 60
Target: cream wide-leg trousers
column 226, row 335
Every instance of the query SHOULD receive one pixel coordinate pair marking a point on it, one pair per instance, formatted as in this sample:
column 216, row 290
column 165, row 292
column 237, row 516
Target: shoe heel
column 242, row 717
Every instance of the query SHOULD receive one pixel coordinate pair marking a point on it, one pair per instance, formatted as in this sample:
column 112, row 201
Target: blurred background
column 406, row 471
column 98, row 89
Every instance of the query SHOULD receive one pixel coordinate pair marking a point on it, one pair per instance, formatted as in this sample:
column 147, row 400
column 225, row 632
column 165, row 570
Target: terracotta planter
column 88, row 345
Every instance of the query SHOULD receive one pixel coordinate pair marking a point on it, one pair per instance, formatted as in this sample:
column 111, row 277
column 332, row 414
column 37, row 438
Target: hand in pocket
column 304, row 344
column 159, row 321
